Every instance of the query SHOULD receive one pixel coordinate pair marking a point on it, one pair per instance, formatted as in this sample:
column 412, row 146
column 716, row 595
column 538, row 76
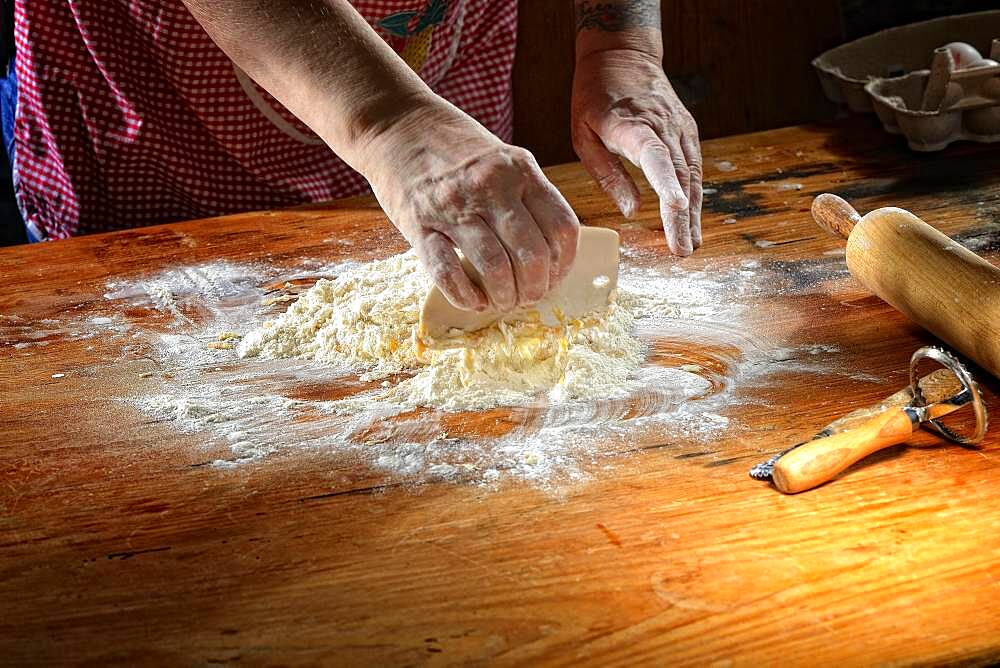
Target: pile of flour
column 366, row 319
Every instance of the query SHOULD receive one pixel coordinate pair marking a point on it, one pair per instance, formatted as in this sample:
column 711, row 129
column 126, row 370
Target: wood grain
column 117, row 546
column 834, row 215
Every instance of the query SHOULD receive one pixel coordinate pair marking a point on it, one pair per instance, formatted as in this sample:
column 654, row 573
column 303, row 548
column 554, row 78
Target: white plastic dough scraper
column 587, row 286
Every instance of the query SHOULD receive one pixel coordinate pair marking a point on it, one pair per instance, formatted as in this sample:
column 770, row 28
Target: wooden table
column 118, row 545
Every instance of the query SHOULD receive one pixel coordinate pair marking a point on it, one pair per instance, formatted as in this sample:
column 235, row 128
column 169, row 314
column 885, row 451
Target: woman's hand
column 445, row 182
column 624, row 107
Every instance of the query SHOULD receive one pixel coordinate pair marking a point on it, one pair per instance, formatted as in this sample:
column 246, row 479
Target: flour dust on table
column 321, row 359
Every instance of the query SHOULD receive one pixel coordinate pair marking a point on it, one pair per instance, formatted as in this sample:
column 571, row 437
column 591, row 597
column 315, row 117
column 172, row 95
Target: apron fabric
column 128, row 114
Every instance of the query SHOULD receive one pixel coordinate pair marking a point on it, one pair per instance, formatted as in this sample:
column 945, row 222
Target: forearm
column 602, row 25
column 321, row 60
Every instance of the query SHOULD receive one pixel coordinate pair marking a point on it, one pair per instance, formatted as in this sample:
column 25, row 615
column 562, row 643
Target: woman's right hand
column 446, row 182
column 443, row 179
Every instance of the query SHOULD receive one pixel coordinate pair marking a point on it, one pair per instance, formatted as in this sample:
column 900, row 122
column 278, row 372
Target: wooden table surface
column 119, row 545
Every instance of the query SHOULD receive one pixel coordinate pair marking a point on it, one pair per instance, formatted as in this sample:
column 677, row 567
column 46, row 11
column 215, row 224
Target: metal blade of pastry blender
column 587, row 286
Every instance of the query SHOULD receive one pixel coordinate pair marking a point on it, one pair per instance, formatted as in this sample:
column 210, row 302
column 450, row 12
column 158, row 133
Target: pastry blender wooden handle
column 817, row 461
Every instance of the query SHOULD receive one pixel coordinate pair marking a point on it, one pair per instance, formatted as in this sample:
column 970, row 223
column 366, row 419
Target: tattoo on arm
column 617, row 16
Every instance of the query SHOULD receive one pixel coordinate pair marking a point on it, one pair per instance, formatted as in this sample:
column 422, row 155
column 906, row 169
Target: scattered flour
column 598, row 393
column 603, row 387
column 162, row 297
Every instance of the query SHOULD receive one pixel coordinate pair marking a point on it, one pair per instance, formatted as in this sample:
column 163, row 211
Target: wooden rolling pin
column 937, row 282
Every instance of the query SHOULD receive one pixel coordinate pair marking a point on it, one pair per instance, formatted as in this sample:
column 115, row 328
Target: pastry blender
column 923, row 403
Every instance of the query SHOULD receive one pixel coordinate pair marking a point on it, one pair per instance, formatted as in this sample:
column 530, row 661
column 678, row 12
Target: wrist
column 425, row 136
column 641, row 41
column 616, row 64
column 606, row 25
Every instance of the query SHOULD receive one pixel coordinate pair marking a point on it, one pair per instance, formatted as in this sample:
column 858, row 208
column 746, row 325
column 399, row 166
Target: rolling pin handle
column 834, row 215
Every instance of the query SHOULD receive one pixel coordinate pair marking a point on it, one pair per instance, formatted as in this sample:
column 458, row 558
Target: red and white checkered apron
column 128, row 114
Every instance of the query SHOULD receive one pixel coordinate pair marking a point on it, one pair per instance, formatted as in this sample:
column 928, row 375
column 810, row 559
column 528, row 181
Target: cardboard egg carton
column 957, row 99
column 930, row 93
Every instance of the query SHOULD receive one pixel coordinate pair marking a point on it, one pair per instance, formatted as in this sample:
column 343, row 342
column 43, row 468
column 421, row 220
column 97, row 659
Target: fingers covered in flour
column 692, row 154
column 556, row 221
column 607, row 170
column 664, row 168
column 488, row 256
column 526, row 247
column 438, row 256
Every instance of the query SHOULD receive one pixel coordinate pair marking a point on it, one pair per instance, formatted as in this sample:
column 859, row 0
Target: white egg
column 963, row 53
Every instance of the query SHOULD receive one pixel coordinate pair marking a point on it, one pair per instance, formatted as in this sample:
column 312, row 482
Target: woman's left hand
column 624, row 107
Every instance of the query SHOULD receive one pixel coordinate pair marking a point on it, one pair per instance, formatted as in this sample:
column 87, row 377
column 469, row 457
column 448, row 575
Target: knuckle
column 527, row 167
column 451, row 195
column 673, row 201
column 532, row 257
column 646, row 126
column 483, row 178
column 651, row 143
column 494, row 259
column 522, row 156
column 493, row 176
